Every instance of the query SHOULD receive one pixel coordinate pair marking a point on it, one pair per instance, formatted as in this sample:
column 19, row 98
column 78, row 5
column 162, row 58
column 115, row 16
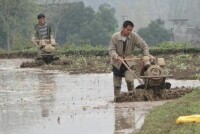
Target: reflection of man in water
column 47, row 90
column 124, row 120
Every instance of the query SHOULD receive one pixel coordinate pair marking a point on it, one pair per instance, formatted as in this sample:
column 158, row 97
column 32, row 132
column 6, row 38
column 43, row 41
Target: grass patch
column 197, row 76
column 162, row 120
column 181, row 61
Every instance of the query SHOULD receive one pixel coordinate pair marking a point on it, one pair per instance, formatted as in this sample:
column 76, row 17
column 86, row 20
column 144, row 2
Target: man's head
column 127, row 28
column 41, row 19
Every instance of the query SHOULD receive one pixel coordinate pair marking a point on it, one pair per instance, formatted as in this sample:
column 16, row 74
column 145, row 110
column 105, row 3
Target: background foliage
column 155, row 33
column 16, row 18
column 74, row 23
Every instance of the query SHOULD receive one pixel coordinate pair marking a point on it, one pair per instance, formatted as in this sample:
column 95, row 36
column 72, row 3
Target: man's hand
column 152, row 58
column 42, row 43
column 52, row 41
column 117, row 58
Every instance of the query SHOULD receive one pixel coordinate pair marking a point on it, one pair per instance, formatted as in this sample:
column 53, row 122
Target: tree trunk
column 8, row 42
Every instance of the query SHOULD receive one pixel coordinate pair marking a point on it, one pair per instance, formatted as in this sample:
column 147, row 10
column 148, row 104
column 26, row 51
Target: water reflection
column 124, row 120
column 46, row 93
column 16, row 100
column 128, row 119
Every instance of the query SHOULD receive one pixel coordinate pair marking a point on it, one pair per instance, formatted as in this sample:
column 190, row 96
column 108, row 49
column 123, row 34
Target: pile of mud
column 37, row 63
column 31, row 64
column 152, row 95
column 73, row 64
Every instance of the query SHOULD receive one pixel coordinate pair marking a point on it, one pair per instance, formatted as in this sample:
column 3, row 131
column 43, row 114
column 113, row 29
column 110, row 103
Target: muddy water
column 35, row 101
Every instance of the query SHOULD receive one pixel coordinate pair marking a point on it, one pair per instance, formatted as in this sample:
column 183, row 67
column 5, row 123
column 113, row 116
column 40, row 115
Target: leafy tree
column 93, row 33
column 106, row 15
column 155, row 33
column 68, row 19
column 15, row 19
column 99, row 30
column 75, row 23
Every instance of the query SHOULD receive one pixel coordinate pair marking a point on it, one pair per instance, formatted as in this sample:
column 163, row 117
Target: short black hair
column 128, row 23
column 41, row 15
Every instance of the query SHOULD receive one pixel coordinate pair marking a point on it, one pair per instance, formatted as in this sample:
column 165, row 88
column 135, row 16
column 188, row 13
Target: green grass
column 162, row 120
column 175, row 45
column 197, row 76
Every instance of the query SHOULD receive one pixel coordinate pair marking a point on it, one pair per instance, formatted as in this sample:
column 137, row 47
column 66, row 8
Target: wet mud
column 152, row 95
column 31, row 64
column 181, row 66
column 73, row 64
column 41, row 101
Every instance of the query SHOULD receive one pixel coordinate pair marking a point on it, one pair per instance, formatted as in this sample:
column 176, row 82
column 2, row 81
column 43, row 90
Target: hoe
column 152, row 73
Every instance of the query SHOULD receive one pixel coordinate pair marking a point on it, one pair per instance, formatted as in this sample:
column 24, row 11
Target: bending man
column 122, row 45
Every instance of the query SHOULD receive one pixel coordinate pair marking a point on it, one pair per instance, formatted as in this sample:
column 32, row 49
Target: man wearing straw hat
column 121, row 47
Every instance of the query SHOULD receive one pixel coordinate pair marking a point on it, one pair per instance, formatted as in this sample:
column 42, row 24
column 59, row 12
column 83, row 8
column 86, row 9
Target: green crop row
column 97, row 52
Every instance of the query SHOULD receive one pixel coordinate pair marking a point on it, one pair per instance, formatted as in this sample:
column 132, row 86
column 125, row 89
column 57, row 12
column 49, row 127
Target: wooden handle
column 35, row 43
column 140, row 81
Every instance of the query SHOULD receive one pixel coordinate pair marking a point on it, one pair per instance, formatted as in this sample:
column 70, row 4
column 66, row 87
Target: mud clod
column 31, row 64
column 152, row 95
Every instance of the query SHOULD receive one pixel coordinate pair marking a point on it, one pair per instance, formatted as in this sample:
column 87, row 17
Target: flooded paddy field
column 38, row 101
